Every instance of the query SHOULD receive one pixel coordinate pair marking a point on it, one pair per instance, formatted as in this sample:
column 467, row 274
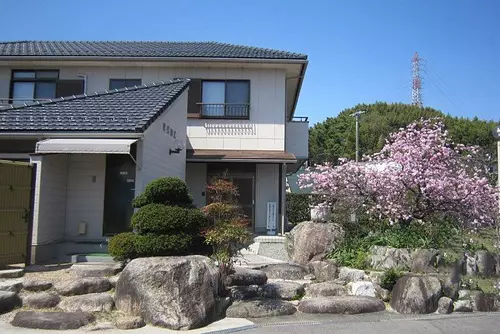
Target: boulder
column 416, row 294
column 11, row 285
column 382, row 293
column 450, row 288
column 178, row 292
column 361, row 288
column 374, row 276
column 323, row 270
column 52, row 320
column 93, row 302
column 470, row 265
column 425, row 260
column 41, row 300
column 95, row 269
column 445, row 305
column 325, row 289
column 244, row 292
column 383, row 257
column 8, row 301
column 486, row 263
column 351, row 275
column 464, row 294
column 113, row 280
column 11, row 273
column 287, row 271
column 486, row 302
column 462, row 306
column 129, row 323
column 83, row 286
column 299, row 243
column 36, row 285
column 244, row 276
column 282, row 290
column 260, row 308
column 342, row 305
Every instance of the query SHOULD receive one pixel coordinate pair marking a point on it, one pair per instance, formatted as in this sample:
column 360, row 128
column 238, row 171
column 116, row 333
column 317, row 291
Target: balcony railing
column 225, row 110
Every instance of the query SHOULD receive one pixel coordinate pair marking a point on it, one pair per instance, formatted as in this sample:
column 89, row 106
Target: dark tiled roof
column 140, row 49
column 121, row 110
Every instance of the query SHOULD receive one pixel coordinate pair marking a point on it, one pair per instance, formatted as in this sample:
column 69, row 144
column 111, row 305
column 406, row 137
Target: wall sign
column 169, row 130
column 271, row 218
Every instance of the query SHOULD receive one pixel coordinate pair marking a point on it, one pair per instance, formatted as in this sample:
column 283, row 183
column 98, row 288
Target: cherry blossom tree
column 418, row 174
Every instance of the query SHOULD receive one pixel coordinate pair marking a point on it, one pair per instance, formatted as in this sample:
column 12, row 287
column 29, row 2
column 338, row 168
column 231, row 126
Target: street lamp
column 357, row 114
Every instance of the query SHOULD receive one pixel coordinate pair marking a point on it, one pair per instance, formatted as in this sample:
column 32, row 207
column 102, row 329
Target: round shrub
column 122, row 246
column 164, row 219
column 163, row 245
column 166, row 190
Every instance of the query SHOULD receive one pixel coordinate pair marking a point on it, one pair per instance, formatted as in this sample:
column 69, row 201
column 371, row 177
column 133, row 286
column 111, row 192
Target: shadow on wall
column 230, row 129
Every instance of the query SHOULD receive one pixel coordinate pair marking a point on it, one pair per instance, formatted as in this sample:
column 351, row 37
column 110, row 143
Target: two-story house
column 102, row 119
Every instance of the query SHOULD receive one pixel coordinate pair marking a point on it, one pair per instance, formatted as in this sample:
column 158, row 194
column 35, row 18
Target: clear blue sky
column 359, row 51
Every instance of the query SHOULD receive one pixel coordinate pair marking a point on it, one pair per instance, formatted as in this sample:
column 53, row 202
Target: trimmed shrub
column 122, row 246
column 166, row 190
column 164, row 219
column 390, row 277
column 163, row 244
column 298, row 207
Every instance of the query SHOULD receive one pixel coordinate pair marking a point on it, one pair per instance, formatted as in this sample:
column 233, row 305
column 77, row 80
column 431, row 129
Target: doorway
column 119, row 192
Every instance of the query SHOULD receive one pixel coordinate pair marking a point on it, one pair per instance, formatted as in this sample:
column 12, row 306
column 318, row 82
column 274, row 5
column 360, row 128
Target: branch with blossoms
column 419, row 174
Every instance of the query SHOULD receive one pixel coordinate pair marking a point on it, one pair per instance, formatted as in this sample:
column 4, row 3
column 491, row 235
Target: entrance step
column 101, row 258
column 268, row 246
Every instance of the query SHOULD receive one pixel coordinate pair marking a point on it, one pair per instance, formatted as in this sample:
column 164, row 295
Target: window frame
column 34, row 80
column 124, row 79
column 225, row 81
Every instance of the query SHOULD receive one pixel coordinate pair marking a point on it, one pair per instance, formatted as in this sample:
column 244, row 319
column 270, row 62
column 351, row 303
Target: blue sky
column 359, row 51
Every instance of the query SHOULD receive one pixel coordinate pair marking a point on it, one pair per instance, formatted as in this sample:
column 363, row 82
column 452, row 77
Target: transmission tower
column 416, row 90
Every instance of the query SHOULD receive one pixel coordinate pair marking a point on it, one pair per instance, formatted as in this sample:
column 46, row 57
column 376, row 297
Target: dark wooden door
column 118, row 193
column 246, row 197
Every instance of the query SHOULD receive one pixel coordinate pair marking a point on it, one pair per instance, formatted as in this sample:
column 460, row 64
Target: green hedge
column 164, row 219
column 122, row 246
column 297, row 207
column 166, row 190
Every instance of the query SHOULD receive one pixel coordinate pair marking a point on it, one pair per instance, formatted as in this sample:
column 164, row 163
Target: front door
column 246, row 196
column 118, row 193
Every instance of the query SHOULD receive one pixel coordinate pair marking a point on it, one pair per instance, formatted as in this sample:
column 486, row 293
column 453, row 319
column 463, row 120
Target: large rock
column 342, row 305
column 95, row 269
column 325, row 289
column 244, row 292
column 486, row 302
column 462, row 306
column 8, row 301
column 129, row 323
column 288, row 271
column 93, row 302
column 310, row 241
column 41, row 300
column 416, row 294
column 282, row 290
column 351, row 275
column 52, row 320
column 445, row 305
column 173, row 292
column 361, row 288
column 388, row 257
column 260, row 308
column 11, row 285
column 470, row 265
column 244, row 276
column 323, row 270
column 36, row 285
column 486, row 263
column 82, row 286
column 425, row 260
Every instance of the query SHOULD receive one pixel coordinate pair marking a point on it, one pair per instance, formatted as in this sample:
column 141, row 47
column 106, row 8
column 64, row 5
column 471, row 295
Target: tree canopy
column 335, row 137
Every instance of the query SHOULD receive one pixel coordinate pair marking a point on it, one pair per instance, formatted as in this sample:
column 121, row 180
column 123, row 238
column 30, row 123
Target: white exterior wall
column 266, row 190
column 297, row 134
column 85, row 195
column 49, row 216
column 196, row 178
column 153, row 151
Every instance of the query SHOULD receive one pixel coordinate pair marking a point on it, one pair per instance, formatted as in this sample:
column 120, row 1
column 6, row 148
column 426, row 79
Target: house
column 102, row 119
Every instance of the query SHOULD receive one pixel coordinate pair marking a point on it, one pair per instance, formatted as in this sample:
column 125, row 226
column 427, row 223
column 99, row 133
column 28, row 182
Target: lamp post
column 356, row 115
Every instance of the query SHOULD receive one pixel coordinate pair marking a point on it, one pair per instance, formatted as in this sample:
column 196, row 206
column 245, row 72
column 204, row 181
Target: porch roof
column 131, row 109
column 94, row 146
column 240, row 156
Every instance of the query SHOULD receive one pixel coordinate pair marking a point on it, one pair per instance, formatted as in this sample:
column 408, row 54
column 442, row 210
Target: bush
column 166, row 190
column 164, row 219
column 390, row 277
column 298, row 207
column 122, row 246
column 163, row 245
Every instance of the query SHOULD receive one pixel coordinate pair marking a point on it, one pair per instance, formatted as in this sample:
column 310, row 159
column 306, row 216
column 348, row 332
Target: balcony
column 225, row 110
column 297, row 137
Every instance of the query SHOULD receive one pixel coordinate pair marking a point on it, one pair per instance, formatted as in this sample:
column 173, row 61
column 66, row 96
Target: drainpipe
column 84, row 76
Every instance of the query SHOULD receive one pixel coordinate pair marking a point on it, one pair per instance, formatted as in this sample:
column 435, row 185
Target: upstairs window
column 122, row 83
column 36, row 85
column 228, row 99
